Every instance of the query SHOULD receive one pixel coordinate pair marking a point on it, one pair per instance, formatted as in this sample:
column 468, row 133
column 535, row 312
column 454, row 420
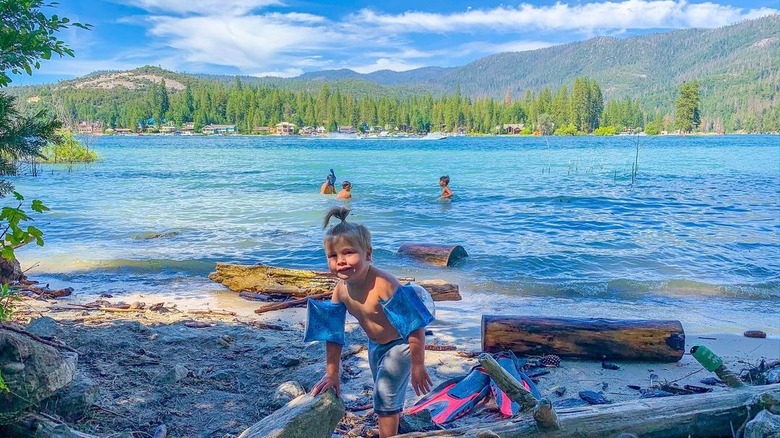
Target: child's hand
column 421, row 381
column 328, row 381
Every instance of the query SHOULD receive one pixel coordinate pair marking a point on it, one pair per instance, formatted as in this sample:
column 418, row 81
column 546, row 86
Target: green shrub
column 569, row 129
column 68, row 150
column 652, row 128
column 605, row 130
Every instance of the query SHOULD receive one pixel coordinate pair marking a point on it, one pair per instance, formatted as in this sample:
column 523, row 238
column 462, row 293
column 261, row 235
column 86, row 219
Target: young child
column 444, row 183
column 396, row 350
column 346, row 188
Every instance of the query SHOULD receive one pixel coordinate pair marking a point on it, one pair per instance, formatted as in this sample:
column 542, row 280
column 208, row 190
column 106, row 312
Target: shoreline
column 233, row 364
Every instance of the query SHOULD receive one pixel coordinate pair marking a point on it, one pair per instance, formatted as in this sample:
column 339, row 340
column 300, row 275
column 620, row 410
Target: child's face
column 346, row 260
column 442, row 183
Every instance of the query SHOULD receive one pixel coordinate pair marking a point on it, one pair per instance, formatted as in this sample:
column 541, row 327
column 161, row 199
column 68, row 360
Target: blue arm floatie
column 325, row 321
column 406, row 311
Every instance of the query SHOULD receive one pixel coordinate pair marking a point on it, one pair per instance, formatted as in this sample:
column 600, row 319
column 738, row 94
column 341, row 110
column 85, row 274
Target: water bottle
column 714, row 363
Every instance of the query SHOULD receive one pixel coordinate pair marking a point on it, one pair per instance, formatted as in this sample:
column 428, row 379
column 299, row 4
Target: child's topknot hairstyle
column 355, row 233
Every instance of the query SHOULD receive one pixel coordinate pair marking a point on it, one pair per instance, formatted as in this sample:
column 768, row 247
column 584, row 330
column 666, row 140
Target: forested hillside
column 738, row 68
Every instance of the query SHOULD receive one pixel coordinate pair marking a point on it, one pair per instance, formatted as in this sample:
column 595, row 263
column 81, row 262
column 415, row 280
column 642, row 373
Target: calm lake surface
column 553, row 226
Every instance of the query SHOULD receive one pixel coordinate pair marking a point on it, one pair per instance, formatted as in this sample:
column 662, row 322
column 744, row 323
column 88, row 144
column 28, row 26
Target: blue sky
column 290, row 37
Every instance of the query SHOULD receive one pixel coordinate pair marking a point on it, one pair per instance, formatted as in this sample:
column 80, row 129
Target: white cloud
column 206, row 7
column 191, row 34
column 286, row 73
column 584, row 17
column 386, row 64
column 484, row 47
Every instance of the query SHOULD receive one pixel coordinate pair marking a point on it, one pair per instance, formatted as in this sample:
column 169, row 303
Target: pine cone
column 551, row 361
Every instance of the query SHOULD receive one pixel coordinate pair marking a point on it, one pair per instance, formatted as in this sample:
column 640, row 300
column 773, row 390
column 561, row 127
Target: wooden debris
column 507, row 382
column 431, row 347
column 121, row 310
column 439, row 255
column 587, row 338
column 212, row 312
column 292, row 303
column 35, row 337
column 299, row 283
column 711, row 414
column 254, row 296
column 265, row 326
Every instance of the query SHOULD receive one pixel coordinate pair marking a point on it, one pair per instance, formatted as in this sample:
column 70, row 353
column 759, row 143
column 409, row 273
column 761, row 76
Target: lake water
column 553, row 226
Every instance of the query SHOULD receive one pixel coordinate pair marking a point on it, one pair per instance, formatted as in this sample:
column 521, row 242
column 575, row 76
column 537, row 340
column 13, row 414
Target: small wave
column 147, row 235
column 627, row 289
column 135, row 267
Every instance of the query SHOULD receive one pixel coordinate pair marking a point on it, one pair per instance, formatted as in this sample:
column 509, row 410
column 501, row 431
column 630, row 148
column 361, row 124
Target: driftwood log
column 301, row 283
column 592, row 338
column 298, row 302
column 702, row 415
column 544, row 414
column 439, row 255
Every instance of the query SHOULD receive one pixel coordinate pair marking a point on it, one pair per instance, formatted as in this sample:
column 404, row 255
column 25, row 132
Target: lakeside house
column 285, row 128
column 187, row 129
column 89, row 128
column 346, row 130
column 510, row 128
column 218, row 129
column 168, row 128
column 123, row 131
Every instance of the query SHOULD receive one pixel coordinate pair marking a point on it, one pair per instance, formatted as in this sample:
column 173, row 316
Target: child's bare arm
column 421, row 381
column 332, row 371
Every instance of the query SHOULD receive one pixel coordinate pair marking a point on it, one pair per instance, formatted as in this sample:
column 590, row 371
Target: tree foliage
column 22, row 136
column 686, row 107
column 27, row 35
column 67, row 150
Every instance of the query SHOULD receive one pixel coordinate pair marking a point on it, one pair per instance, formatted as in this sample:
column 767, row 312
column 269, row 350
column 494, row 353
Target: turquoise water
column 552, row 226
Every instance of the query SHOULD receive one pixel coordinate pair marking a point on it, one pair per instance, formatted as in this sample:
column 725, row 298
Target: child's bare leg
column 388, row 425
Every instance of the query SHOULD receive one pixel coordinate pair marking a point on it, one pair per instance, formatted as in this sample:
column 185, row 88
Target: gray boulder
column 73, row 401
column 764, row 425
column 32, row 370
column 286, row 392
column 303, row 417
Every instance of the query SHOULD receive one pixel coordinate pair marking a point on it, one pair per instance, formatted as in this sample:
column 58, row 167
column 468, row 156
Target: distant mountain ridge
column 738, row 67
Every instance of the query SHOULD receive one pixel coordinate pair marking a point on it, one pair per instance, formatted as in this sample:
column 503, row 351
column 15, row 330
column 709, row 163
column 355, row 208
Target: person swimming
column 329, row 186
column 346, row 188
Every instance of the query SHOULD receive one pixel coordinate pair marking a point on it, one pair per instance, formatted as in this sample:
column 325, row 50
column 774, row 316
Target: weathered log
column 592, row 338
column 301, row 283
column 440, row 290
column 544, row 414
column 439, row 255
column 703, row 415
column 507, row 382
column 291, row 303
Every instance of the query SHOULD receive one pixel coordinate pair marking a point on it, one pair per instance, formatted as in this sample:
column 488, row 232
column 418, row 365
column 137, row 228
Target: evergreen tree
column 686, row 108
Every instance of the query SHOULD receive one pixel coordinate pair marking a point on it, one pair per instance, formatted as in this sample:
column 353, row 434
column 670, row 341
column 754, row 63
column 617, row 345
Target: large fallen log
column 591, row 338
column 439, row 255
column 702, row 415
column 300, row 283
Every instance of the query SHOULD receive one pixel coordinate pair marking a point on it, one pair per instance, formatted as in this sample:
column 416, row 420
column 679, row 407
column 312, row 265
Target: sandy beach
column 214, row 375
